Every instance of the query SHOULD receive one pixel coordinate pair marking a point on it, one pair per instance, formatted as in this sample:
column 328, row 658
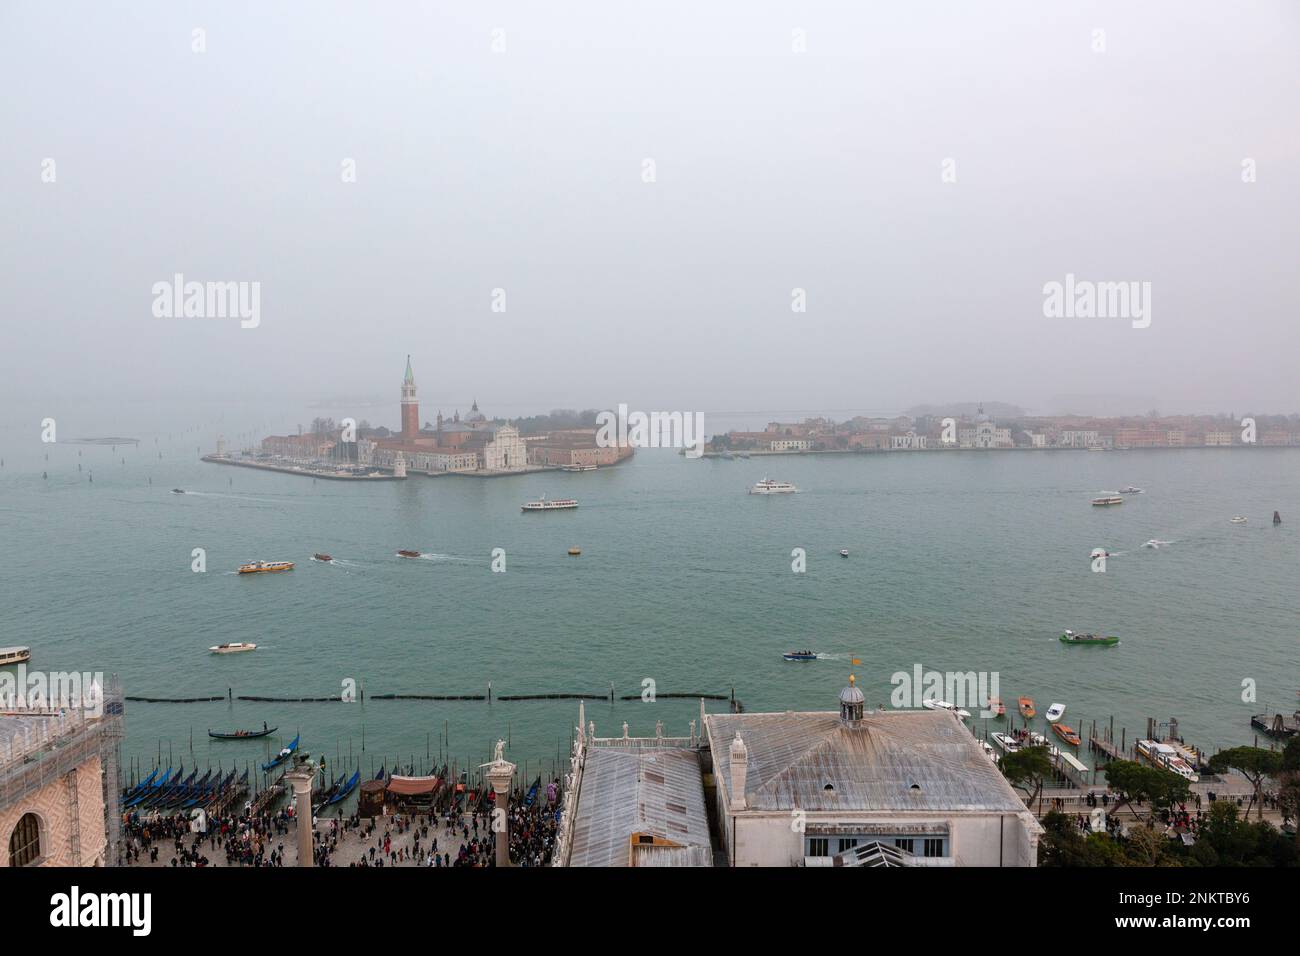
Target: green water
column 958, row 561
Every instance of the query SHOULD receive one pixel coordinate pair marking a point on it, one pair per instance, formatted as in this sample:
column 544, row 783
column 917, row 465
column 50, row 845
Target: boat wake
column 1155, row 544
column 218, row 494
column 446, row 559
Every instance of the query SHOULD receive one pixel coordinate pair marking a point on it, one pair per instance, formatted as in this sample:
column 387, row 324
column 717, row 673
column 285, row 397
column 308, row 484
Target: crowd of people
column 414, row 837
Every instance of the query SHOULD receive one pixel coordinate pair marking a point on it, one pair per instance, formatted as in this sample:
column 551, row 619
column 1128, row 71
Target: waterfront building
column 909, row 442
column 574, row 447
column 1217, row 437
column 913, row 782
column 58, row 785
column 1078, row 438
column 910, row 786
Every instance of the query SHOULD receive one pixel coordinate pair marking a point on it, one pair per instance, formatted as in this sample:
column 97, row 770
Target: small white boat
column 1055, row 712
column 1035, row 739
column 236, row 648
column 1008, row 743
column 1130, row 490
column 944, row 705
column 844, row 552
column 1238, row 519
column 1107, row 500
column 988, row 750
column 769, row 486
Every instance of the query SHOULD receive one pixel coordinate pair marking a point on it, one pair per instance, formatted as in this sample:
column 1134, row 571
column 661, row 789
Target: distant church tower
column 410, row 405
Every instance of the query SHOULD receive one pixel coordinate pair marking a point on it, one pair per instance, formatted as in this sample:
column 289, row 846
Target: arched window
column 25, row 841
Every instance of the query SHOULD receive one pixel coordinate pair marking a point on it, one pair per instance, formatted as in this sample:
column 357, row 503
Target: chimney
column 739, row 770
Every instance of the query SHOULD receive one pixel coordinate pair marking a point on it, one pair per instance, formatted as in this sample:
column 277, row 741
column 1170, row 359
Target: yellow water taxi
column 260, row 567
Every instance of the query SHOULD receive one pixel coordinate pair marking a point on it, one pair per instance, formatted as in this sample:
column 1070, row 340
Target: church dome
column 851, row 704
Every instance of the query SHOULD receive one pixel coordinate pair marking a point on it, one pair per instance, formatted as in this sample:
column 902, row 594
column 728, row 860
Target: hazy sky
column 775, row 170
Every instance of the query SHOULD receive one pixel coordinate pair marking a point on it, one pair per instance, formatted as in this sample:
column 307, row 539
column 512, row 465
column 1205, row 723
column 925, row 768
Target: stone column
column 301, row 779
column 499, row 773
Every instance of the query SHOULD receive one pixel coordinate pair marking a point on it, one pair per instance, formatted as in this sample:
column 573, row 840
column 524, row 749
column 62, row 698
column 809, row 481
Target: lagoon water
column 961, row 561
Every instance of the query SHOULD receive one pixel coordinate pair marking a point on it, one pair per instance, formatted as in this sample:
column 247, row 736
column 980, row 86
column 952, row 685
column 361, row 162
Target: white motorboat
column 1008, row 743
column 1130, row 490
column 236, row 648
column 1238, row 519
column 770, row 486
column 988, row 750
column 1055, row 713
column 944, row 705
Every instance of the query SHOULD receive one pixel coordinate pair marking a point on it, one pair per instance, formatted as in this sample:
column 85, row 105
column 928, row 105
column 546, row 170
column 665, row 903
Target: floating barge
column 1277, row 726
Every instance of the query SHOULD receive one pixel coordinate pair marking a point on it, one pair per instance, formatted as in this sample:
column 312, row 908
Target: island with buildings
column 955, row 431
column 474, row 445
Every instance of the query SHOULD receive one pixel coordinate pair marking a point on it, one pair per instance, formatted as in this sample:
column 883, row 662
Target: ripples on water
column 958, row 561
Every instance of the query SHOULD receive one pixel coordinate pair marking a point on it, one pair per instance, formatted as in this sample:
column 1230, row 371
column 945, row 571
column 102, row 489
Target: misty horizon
column 523, row 170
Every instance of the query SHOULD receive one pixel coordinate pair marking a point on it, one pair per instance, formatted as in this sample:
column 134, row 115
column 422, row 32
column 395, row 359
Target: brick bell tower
column 410, row 405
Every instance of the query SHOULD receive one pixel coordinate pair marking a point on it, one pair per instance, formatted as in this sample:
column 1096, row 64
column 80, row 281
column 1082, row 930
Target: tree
column 1255, row 763
column 1135, row 782
column 1028, row 765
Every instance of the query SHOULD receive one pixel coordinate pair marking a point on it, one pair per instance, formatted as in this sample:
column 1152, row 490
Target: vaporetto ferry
column 549, row 504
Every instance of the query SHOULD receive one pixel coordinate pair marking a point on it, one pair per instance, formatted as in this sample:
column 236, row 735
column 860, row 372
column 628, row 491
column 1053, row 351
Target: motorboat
column 1008, row 743
column 178, row 491
column 322, row 557
column 408, row 554
column 1107, row 500
column 998, row 708
column 1026, row 705
column 1238, row 519
column 265, row 567
column 944, row 705
column 988, row 750
column 1102, row 640
column 574, row 552
column 844, row 552
column 1066, row 733
column 1130, row 490
column 799, row 656
column 1055, row 713
column 237, row 647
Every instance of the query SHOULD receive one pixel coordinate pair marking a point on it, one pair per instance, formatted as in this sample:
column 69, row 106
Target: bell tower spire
column 410, row 404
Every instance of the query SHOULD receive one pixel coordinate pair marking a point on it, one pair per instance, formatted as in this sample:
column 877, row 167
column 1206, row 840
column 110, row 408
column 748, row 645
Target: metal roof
column 646, row 791
column 893, row 761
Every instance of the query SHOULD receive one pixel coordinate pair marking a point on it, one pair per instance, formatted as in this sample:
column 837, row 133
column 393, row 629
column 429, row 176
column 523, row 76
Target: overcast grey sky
column 775, row 170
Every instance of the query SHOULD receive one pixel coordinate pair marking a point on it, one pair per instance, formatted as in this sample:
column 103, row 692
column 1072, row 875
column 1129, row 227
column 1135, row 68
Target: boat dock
column 303, row 471
column 1277, row 726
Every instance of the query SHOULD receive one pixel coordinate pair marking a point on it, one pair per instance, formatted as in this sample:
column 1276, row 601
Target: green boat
column 1069, row 637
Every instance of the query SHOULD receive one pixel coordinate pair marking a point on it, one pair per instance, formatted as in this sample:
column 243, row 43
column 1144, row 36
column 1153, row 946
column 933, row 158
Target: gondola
column 328, row 796
column 140, row 787
column 532, row 791
column 342, row 793
column 380, row 775
column 282, row 756
column 243, row 734
column 150, row 792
